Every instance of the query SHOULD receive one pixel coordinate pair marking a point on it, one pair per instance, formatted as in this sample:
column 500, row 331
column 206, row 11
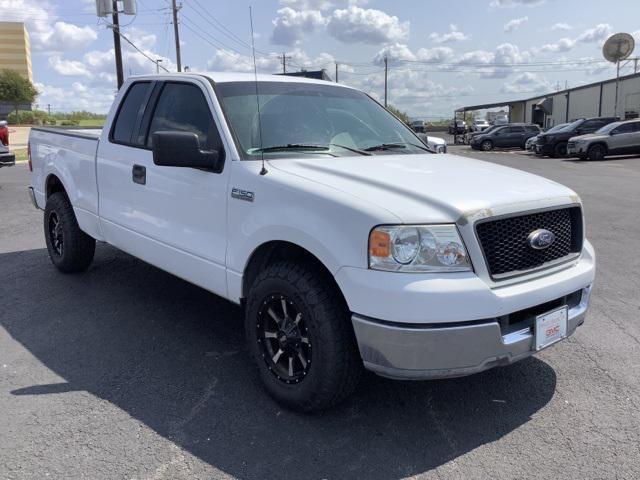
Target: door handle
column 139, row 174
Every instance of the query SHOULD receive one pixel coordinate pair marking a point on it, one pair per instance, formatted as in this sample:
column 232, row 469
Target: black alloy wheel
column 56, row 235
column 284, row 339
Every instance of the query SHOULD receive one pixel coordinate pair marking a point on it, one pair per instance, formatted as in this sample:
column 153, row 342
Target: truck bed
column 90, row 132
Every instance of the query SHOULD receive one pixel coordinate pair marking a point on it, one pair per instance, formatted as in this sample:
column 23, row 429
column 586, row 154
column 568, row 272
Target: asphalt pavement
column 129, row 372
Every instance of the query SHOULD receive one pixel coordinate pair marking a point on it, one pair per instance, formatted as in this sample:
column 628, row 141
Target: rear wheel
column 300, row 335
column 560, row 150
column 486, row 145
column 596, row 152
column 70, row 249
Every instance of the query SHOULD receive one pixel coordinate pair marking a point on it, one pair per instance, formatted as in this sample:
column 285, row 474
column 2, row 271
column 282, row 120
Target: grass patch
column 21, row 155
column 92, row 122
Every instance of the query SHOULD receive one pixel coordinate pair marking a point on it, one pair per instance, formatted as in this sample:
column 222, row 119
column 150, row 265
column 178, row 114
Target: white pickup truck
column 345, row 240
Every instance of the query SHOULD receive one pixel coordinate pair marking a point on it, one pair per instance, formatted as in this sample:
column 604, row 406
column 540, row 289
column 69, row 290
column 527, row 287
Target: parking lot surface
column 129, row 372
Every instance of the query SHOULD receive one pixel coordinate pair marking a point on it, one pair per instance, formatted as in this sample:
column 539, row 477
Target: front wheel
column 300, row 335
column 596, row 152
column 487, row 145
column 560, row 150
column 70, row 249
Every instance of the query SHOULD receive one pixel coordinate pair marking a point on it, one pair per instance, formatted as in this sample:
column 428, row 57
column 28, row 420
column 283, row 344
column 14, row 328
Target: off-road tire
column 78, row 247
column 336, row 365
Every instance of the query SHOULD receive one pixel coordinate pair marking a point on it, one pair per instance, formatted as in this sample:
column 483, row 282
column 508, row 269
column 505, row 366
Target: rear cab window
column 129, row 112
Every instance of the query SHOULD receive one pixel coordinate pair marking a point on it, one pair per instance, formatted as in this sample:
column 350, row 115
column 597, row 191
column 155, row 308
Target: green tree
column 15, row 89
column 399, row 113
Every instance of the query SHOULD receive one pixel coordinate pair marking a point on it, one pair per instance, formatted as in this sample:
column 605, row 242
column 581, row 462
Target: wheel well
column 279, row 250
column 53, row 185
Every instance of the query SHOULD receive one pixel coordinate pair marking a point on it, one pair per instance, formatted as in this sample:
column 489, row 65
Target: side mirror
column 182, row 149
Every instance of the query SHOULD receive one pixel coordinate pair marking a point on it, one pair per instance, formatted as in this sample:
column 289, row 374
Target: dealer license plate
column 550, row 327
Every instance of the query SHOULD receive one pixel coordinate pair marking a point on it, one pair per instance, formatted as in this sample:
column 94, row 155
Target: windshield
column 608, row 128
column 311, row 119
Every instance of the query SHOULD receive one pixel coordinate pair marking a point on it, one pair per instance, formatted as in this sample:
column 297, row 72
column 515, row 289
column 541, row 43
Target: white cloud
column 597, row 34
column 454, row 35
column 399, row 52
column 227, row 60
column 320, row 4
column 515, row 3
column 527, row 82
column 495, row 64
column 290, row 26
column 68, row 67
column 45, row 32
column 560, row 26
column 514, row 24
column 79, row 96
column 355, row 24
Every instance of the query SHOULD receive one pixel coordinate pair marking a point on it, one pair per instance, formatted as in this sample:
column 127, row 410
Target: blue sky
column 441, row 54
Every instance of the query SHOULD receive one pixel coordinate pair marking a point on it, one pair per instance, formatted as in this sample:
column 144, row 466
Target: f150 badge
column 240, row 194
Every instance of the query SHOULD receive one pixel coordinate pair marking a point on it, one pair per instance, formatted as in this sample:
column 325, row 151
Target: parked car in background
column 531, row 144
column 418, row 126
column 4, row 133
column 500, row 121
column 507, row 136
column 617, row 138
column 437, row 144
column 479, row 125
column 457, row 126
column 7, row 159
column 554, row 144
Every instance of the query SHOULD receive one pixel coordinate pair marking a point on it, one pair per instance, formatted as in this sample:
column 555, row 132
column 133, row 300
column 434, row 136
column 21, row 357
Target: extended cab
column 345, row 240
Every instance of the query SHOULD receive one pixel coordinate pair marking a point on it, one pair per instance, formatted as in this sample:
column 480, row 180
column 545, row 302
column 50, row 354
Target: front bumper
column 7, row 160
column 453, row 350
column 577, row 149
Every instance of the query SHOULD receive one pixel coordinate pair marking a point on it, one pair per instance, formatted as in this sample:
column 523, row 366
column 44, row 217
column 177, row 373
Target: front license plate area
column 551, row 327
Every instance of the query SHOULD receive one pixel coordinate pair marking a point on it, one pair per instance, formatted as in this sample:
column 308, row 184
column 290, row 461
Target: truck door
column 172, row 217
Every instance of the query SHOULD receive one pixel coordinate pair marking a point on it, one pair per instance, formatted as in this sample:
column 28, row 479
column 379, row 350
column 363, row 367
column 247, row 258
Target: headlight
column 417, row 248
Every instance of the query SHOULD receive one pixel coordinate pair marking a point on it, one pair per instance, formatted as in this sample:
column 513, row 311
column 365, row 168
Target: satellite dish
column 618, row 47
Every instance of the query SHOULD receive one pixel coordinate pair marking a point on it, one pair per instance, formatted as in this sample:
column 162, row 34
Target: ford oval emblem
column 541, row 239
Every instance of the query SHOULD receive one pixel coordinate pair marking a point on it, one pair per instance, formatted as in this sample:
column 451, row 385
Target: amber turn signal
column 379, row 244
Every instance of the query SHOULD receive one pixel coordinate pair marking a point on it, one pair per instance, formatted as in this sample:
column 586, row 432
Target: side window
column 183, row 107
column 624, row 128
column 128, row 113
column 517, row 130
column 593, row 124
column 532, row 128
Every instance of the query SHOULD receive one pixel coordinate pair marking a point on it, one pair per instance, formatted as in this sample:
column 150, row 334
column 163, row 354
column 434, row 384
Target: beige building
column 15, row 50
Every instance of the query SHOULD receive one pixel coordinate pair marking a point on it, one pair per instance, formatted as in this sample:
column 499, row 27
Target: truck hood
column 431, row 188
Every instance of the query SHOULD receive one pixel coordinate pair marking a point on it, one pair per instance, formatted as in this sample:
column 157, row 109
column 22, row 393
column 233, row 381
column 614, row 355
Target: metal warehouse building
column 593, row 100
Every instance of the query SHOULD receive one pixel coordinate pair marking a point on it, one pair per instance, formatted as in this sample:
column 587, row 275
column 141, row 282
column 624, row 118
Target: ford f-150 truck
column 348, row 244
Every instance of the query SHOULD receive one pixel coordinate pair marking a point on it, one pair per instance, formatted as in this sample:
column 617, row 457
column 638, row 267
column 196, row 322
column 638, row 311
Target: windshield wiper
column 290, row 146
column 390, row 146
column 304, row 146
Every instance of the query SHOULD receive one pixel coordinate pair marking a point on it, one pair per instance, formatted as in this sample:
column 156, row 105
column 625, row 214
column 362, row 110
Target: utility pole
column 49, row 108
column 386, row 71
column 635, row 65
column 116, row 44
column 176, row 34
column 336, row 72
column 284, row 63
